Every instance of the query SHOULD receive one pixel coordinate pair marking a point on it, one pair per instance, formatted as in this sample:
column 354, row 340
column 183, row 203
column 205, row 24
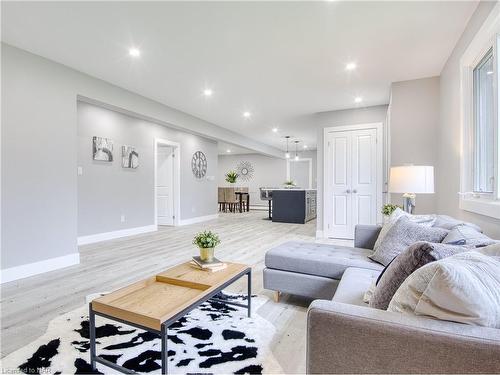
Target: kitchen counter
column 293, row 205
column 291, row 189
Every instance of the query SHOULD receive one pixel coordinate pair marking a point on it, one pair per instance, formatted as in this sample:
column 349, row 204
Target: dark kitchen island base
column 294, row 205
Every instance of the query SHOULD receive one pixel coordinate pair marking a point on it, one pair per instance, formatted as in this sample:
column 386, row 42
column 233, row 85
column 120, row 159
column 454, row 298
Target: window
column 484, row 125
column 479, row 87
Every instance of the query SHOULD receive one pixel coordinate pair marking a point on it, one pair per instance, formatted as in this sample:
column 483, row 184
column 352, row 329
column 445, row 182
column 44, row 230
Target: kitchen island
column 293, row 205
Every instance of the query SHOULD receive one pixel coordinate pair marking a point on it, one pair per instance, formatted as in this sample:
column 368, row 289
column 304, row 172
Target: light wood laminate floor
column 28, row 305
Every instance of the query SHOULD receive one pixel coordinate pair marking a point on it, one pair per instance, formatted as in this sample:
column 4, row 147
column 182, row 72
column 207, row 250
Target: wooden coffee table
column 153, row 304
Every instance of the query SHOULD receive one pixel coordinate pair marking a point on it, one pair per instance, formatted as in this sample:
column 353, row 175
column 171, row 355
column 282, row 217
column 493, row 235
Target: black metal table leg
column 249, row 284
column 92, row 337
column 164, row 349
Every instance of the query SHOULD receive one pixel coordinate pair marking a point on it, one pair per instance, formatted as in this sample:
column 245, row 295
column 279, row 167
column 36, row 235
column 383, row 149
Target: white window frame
column 488, row 37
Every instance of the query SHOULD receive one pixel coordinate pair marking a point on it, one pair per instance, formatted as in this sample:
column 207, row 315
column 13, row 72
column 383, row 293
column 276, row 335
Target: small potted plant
column 231, row 177
column 206, row 242
column 389, row 208
column 289, row 184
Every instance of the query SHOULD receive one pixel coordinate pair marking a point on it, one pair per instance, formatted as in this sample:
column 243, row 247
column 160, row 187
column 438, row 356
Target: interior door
column 339, row 216
column 351, row 181
column 164, row 185
column 364, row 177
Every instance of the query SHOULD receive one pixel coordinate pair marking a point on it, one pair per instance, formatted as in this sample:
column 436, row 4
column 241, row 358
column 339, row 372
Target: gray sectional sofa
column 344, row 335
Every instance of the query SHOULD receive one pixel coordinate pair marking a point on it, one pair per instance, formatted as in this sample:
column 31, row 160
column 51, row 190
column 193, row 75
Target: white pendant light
column 287, row 154
column 296, row 151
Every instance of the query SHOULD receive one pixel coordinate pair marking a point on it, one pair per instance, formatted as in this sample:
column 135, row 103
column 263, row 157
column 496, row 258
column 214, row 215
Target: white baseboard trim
column 93, row 238
column 198, row 219
column 260, row 208
column 31, row 269
column 319, row 234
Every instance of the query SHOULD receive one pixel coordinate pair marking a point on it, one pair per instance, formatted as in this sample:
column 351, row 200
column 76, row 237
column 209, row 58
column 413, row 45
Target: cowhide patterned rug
column 214, row 338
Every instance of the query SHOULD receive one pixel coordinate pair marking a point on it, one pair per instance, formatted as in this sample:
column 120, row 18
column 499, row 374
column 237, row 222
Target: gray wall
column 38, row 161
column 39, row 158
column 414, row 122
column 340, row 118
column 106, row 190
column 268, row 171
column 448, row 178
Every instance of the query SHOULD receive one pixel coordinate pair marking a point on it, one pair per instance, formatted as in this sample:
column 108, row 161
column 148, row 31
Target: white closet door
column 351, row 189
column 364, row 177
column 339, row 181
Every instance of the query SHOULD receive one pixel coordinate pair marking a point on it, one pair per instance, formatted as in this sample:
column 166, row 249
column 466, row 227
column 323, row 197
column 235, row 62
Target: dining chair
column 230, row 198
column 221, row 199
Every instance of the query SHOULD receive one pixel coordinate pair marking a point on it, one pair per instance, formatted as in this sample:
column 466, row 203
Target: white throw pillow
column 427, row 220
column 369, row 293
column 463, row 288
column 492, row 250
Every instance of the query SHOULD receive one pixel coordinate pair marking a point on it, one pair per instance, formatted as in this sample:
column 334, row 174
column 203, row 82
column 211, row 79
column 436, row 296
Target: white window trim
column 487, row 37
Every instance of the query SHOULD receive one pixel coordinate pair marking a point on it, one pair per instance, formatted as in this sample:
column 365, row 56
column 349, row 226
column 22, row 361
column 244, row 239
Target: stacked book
column 212, row 266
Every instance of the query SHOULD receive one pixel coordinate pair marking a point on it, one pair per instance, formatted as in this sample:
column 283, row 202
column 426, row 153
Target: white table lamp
column 410, row 180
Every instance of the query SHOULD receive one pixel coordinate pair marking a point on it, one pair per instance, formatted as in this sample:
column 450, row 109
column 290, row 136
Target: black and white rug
column 214, row 338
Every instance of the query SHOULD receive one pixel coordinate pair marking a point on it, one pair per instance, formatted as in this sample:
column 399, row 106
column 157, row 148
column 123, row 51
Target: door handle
column 354, row 191
column 348, row 191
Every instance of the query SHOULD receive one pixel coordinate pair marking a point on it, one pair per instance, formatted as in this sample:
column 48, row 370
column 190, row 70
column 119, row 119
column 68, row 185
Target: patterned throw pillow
column 427, row 220
column 415, row 256
column 403, row 234
column 463, row 288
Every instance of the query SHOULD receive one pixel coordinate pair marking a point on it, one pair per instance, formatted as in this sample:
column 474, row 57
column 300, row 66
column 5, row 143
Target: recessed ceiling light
column 358, row 99
column 489, row 72
column 350, row 66
column 247, row 114
column 275, row 130
column 134, row 52
column 207, row 92
column 305, row 146
column 228, row 150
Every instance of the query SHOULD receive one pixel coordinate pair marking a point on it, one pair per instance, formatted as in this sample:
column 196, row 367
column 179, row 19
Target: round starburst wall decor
column 245, row 170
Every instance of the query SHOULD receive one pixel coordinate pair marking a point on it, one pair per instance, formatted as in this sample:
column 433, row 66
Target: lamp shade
column 411, row 179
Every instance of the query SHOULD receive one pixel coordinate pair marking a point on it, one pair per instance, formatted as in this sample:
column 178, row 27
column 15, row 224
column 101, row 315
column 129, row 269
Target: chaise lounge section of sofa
column 314, row 270
column 345, row 335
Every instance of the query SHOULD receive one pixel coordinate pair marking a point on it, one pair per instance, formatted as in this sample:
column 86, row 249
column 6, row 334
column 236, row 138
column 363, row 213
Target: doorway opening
column 300, row 172
column 167, row 182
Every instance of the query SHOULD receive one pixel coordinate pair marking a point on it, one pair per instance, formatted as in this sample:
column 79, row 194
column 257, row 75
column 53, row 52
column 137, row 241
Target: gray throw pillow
column 414, row 257
column 447, row 222
column 465, row 235
column 403, row 234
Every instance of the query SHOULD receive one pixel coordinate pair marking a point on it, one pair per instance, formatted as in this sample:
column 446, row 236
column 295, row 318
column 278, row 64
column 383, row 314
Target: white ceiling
column 223, row 148
column 279, row 60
